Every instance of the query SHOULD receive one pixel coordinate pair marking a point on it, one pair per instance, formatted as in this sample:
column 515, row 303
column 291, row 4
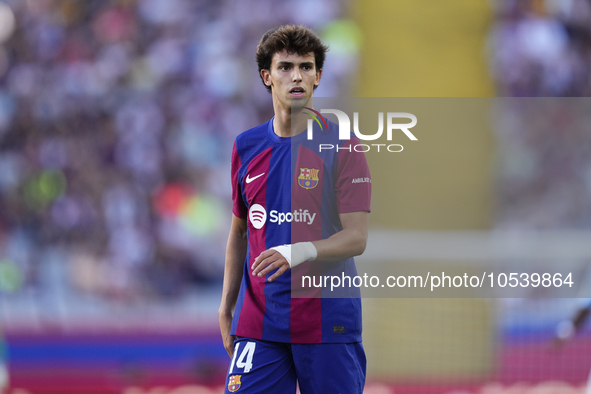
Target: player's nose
column 296, row 75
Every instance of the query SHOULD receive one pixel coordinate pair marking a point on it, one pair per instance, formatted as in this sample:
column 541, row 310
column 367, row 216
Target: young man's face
column 292, row 78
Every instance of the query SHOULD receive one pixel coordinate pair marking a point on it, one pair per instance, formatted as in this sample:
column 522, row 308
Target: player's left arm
column 348, row 242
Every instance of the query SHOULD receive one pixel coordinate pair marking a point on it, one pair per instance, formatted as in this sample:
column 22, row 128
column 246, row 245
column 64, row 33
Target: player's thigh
column 330, row 368
column 261, row 367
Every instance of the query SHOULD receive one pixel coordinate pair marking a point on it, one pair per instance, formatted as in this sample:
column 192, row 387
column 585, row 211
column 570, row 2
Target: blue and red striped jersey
column 290, row 192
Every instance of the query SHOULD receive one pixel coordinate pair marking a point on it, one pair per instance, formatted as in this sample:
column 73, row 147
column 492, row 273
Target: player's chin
column 298, row 102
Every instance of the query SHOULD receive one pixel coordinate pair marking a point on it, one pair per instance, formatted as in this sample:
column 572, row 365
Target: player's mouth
column 297, row 92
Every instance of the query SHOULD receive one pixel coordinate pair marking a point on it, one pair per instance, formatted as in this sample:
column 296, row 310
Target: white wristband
column 297, row 253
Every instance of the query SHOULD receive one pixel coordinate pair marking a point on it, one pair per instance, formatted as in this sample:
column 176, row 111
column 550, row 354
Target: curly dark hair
column 292, row 38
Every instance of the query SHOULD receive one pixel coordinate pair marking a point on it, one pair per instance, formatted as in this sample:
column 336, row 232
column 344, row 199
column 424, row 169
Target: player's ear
column 318, row 75
column 266, row 75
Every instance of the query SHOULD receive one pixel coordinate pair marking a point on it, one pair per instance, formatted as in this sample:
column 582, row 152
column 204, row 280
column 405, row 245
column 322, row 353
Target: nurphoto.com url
column 441, row 281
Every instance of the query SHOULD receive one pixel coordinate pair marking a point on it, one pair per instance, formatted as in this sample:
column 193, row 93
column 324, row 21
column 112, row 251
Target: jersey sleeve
column 353, row 184
column 238, row 206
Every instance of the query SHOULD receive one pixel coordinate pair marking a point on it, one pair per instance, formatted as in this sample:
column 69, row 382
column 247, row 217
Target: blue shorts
column 274, row 367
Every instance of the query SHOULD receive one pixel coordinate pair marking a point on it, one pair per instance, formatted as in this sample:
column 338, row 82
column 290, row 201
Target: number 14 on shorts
column 245, row 359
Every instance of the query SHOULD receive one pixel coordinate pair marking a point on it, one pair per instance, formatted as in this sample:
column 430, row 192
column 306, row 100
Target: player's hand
column 268, row 261
column 226, row 328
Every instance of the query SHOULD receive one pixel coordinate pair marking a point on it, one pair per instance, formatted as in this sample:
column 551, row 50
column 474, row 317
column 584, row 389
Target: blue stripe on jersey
column 276, row 322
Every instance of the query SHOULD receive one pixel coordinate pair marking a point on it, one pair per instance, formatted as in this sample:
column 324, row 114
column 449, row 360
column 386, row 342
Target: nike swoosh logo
column 248, row 179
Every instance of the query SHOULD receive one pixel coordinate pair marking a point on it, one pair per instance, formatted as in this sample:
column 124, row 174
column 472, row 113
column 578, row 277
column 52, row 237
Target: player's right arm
column 234, row 265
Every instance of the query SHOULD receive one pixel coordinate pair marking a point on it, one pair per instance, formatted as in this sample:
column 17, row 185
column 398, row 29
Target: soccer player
column 568, row 328
column 294, row 208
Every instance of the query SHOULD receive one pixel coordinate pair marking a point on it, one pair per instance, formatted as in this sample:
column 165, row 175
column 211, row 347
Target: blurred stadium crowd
column 543, row 49
column 117, row 120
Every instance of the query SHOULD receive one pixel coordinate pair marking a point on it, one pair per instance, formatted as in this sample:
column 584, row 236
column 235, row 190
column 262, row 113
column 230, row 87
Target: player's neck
column 285, row 123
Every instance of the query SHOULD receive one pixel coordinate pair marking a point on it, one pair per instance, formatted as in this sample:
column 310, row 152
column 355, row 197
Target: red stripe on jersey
column 353, row 186
column 306, row 313
column 250, row 323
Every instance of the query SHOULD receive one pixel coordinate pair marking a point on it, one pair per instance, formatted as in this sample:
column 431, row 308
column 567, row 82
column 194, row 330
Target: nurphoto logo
column 345, row 129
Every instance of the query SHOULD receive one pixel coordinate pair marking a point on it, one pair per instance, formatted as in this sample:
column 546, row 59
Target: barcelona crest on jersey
column 308, row 178
column 234, row 383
